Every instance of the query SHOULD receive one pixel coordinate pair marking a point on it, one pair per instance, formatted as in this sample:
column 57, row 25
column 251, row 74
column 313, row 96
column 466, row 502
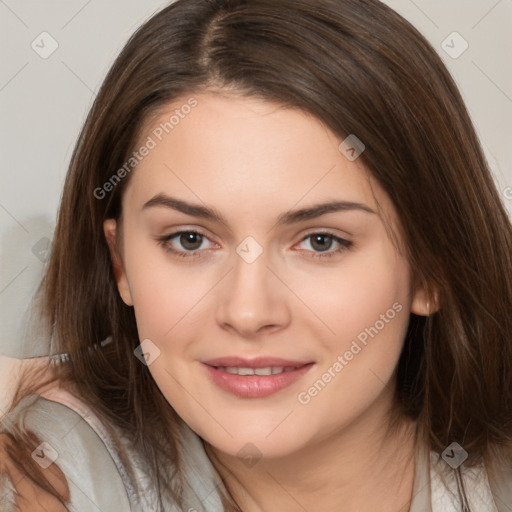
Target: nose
column 252, row 299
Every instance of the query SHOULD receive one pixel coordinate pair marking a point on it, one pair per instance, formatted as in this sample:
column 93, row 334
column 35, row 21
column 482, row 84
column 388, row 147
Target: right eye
column 190, row 240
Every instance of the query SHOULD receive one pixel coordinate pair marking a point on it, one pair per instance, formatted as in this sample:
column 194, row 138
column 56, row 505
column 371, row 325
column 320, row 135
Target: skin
column 252, row 161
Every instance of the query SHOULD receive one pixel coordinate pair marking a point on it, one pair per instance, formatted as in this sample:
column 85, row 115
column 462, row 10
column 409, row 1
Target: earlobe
column 423, row 303
column 110, row 230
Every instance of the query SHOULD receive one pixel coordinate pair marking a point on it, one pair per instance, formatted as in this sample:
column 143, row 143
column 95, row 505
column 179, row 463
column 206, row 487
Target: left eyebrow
column 290, row 217
column 317, row 210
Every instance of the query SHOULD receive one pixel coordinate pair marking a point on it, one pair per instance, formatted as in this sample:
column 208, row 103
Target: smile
column 255, row 382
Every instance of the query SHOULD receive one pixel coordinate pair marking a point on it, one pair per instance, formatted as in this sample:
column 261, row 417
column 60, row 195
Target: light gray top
column 101, row 479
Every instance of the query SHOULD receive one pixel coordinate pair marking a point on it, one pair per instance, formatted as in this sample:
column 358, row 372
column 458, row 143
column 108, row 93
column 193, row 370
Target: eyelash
column 164, row 242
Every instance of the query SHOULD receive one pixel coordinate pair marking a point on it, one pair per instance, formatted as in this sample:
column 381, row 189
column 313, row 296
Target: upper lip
column 257, row 362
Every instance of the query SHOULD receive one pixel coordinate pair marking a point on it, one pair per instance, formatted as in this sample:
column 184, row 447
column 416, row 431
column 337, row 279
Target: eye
column 190, row 240
column 323, row 241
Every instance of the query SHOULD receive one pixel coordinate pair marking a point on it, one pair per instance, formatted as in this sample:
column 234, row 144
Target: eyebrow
column 290, row 217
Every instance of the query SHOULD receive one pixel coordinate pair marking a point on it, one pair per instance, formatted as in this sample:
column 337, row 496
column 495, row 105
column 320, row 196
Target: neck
column 361, row 468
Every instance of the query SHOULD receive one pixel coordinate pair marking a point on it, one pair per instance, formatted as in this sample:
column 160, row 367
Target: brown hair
column 361, row 69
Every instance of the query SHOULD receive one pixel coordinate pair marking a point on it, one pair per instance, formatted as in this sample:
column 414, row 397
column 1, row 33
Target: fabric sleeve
column 67, row 440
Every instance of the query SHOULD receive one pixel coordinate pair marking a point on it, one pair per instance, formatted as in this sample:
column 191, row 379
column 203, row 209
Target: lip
column 254, row 386
column 256, row 362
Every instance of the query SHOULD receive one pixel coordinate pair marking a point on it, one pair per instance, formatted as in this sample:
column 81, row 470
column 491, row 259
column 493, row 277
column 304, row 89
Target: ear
column 110, row 230
column 425, row 301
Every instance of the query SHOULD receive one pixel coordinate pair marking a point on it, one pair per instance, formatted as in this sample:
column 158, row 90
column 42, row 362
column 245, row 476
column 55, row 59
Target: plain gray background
column 44, row 102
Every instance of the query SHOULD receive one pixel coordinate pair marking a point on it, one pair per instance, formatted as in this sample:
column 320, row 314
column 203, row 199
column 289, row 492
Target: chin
column 256, row 445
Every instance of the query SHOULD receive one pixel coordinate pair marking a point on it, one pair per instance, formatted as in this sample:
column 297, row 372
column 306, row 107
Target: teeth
column 262, row 371
column 245, row 371
column 274, row 370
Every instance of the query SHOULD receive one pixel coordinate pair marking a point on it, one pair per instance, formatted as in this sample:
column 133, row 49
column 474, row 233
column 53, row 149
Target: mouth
column 268, row 370
column 256, row 378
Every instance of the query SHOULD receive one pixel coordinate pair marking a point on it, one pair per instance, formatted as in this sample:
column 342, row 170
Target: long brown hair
column 361, row 69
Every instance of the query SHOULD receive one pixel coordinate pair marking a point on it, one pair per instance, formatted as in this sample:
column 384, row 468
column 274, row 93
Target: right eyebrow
column 194, row 210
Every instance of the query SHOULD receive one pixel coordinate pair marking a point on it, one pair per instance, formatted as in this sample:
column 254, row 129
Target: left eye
column 322, row 242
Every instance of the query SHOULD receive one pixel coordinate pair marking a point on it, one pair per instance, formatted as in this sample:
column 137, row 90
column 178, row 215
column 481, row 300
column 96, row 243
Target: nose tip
column 250, row 327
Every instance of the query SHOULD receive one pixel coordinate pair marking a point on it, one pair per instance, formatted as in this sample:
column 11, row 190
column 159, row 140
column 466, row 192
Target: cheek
column 366, row 308
column 166, row 295
column 358, row 296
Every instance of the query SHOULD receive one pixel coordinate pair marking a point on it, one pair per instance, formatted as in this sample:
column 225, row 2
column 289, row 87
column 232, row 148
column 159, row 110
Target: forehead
column 247, row 153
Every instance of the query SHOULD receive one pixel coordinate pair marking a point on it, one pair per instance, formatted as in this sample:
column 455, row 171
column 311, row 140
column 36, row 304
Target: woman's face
column 280, row 323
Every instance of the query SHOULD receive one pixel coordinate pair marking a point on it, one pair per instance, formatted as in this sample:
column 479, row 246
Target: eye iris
column 321, row 240
column 191, row 241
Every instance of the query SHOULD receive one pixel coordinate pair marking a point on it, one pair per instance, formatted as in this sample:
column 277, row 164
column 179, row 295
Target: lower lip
column 255, row 386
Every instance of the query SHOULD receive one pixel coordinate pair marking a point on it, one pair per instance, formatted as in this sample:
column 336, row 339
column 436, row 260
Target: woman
column 280, row 278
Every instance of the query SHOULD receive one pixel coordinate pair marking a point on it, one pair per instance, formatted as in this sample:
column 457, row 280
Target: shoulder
column 71, row 455
column 499, row 471
column 483, row 486
column 31, row 497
